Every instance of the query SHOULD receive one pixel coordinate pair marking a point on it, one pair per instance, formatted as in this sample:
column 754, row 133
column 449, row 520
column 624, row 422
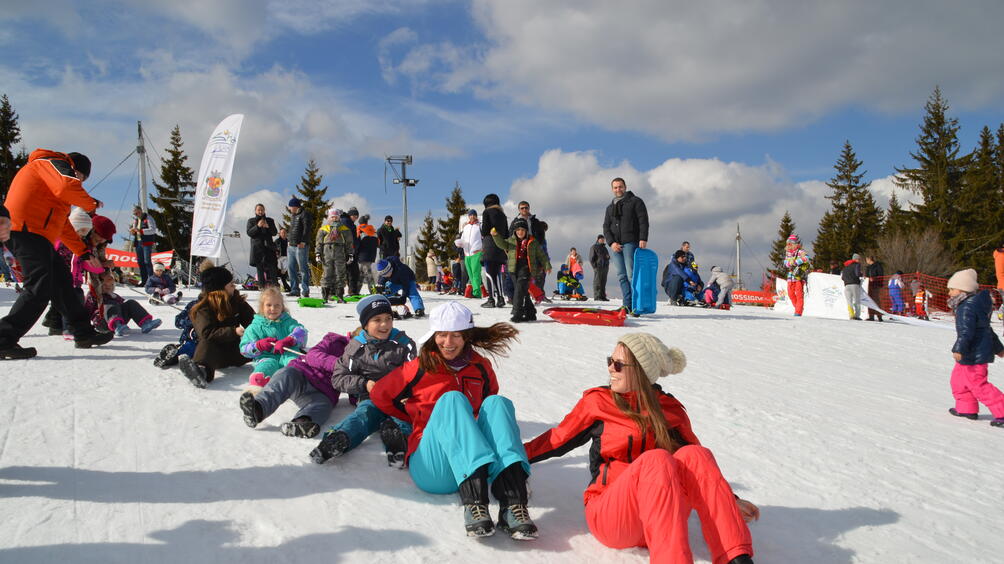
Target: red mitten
column 280, row 345
column 265, row 345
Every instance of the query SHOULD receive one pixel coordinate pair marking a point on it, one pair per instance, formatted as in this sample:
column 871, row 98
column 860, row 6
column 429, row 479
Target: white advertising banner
column 824, row 296
column 213, row 187
column 783, row 304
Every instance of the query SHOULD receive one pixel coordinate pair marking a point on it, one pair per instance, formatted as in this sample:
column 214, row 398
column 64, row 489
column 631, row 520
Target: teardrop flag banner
column 214, row 187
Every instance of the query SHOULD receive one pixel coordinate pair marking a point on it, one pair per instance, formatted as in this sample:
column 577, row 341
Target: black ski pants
column 46, row 278
column 522, row 303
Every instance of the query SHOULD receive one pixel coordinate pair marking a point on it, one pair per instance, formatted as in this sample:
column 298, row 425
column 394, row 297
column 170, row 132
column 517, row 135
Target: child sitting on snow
column 975, row 347
column 272, row 332
column 375, row 350
column 398, row 279
column 161, row 286
column 569, row 287
column 111, row 312
column 307, row 381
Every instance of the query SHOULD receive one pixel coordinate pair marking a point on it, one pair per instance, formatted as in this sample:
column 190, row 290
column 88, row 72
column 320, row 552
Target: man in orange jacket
column 39, row 203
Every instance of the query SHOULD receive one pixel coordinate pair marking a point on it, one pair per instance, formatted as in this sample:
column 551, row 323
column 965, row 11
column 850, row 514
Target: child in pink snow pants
column 975, row 347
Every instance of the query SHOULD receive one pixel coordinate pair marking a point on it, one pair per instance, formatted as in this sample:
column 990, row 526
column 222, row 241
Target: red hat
column 103, row 227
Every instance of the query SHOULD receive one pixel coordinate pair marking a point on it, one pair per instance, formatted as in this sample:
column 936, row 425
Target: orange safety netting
column 935, row 298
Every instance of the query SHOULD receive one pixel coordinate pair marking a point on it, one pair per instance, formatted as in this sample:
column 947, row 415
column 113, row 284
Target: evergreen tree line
column 957, row 223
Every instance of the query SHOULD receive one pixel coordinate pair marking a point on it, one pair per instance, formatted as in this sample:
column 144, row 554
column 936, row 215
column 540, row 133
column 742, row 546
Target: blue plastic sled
column 644, row 287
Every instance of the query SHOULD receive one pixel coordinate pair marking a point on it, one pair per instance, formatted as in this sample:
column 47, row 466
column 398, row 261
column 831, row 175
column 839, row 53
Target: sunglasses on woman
column 618, row 365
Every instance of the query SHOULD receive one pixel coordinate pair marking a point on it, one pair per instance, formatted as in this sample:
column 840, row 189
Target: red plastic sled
column 587, row 316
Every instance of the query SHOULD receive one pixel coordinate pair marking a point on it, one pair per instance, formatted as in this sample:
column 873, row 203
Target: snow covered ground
column 838, row 430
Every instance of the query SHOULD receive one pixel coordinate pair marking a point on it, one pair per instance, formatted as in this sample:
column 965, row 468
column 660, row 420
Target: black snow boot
column 300, row 427
column 94, row 340
column 167, row 357
column 489, row 303
column 419, row 313
column 474, row 497
column 17, row 352
column 333, row 444
column 395, row 443
column 253, row 413
column 509, row 488
column 973, row 416
column 196, row 373
column 742, row 559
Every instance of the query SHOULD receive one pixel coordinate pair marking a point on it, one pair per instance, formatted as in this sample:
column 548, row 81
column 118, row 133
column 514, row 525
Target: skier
column 975, row 347
column 465, row 437
column 375, row 349
column 271, row 332
column 648, row 468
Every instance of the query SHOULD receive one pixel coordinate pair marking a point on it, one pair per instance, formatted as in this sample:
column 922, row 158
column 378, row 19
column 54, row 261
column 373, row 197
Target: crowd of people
column 436, row 402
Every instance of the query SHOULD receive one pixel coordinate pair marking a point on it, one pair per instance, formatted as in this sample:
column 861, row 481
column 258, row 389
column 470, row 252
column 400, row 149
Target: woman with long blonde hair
column 648, row 468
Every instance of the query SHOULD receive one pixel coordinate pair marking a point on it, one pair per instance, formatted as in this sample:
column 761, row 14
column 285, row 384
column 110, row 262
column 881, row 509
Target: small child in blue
column 161, row 286
column 272, row 332
column 395, row 276
column 376, row 349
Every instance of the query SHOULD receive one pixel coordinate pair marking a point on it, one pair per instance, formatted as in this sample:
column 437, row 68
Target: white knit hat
column 451, row 316
column 80, row 220
column 964, row 280
column 655, row 358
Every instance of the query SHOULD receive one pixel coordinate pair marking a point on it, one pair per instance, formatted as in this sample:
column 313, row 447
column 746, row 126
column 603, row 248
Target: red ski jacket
column 617, row 440
column 40, row 196
column 409, row 393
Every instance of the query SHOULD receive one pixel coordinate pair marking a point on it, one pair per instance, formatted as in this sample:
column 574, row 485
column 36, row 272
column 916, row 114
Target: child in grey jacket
column 375, row 350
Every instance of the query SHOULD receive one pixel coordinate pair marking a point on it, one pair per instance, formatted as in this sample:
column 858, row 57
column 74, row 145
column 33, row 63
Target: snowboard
column 644, row 287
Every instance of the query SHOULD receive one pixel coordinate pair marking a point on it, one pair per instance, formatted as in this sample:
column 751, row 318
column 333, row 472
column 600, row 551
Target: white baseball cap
column 451, row 316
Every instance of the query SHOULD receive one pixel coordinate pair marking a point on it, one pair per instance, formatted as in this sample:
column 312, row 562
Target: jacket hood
column 849, row 262
column 716, row 269
column 491, row 200
column 47, row 154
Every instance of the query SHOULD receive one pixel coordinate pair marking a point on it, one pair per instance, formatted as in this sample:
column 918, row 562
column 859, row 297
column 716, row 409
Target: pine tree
column 897, row 220
column 937, row 177
column 10, row 135
column 175, row 198
column 977, row 205
column 315, row 202
column 449, row 228
column 854, row 221
column 428, row 242
column 784, row 230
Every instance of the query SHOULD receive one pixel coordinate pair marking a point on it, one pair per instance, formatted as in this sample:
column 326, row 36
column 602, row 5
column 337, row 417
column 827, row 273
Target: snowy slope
column 837, row 429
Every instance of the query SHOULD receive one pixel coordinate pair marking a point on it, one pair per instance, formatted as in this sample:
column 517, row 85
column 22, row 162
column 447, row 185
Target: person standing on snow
column 261, row 229
column 975, row 347
column 851, row 275
column 599, row 259
column 796, row 260
column 492, row 257
column 538, row 230
column 39, row 203
column 648, row 468
column 874, row 271
column 625, row 227
column 144, row 232
column 389, row 238
column 300, row 227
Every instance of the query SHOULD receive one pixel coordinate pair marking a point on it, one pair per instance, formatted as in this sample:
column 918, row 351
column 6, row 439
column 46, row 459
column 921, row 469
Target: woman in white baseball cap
column 465, row 435
column 648, row 468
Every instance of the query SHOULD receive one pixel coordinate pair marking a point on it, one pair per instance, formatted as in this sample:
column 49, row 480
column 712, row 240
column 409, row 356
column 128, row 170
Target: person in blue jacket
column 673, row 277
column 693, row 285
column 161, row 286
column 395, row 277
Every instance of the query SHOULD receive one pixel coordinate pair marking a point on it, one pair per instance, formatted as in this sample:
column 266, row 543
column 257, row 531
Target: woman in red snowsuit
column 648, row 468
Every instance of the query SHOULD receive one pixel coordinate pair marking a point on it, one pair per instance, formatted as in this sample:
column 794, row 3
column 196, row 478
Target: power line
column 113, row 170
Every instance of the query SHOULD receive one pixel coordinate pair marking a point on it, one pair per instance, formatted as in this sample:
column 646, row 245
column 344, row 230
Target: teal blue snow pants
column 454, row 444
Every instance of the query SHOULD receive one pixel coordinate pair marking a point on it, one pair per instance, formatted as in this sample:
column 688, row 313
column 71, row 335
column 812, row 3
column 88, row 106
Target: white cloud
column 699, row 200
column 686, row 70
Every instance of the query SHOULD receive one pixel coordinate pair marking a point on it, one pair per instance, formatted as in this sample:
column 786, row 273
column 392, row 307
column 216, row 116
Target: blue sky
column 715, row 113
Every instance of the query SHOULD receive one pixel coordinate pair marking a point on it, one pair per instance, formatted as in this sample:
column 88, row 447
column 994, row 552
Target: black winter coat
column 874, row 270
column 851, row 273
column 219, row 343
column 282, row 245
column 301, row 227
column 367, row 249
column 493, row 216
column 347, row 222
column 599, row 256
column 389, row 240
column 975, row 340
column 626, row 221
column 262, row 245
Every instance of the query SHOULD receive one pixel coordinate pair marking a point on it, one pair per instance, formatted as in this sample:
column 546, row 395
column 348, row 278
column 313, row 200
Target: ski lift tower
column 405, row 182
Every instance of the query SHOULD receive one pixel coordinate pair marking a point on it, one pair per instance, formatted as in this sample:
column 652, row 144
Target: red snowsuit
column 641, row 495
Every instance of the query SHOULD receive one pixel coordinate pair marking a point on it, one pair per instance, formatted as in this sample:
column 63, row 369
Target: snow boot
column 94, row 340
column 120, row 329
column 509, row 488
column 395, row 443
column 149, row 325
column 998, row 422
column 742, row 559
column 17, row 352
column 325, row 293
column 167, row 357
column 300, row 427
column 973, row 416
column 489, row 303
column 253, row 413
column 55, row 331
column 195, row 373
column 419, row 313
column 474, row 496
column 333, row 444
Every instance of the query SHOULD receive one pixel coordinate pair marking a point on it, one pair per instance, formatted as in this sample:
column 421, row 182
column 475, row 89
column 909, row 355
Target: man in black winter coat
column 301, row 227
column 261, row 229
column 599, row 259
column 538, row 230
column 352, row 264
column 625, row 227
column 492, row 257
column 389, row 238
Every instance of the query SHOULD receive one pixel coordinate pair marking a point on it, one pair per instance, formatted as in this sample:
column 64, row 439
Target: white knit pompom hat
column 964, row 280
column 80, row 220
column 655, row 358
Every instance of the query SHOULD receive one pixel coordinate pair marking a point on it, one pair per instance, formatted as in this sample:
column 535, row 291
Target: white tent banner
column 214, row 187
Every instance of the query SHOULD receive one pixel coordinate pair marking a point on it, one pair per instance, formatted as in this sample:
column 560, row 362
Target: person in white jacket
column 470, row 242
column 725, row 285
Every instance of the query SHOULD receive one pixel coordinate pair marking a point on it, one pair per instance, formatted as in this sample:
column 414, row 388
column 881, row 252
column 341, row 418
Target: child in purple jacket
column 305, row 380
